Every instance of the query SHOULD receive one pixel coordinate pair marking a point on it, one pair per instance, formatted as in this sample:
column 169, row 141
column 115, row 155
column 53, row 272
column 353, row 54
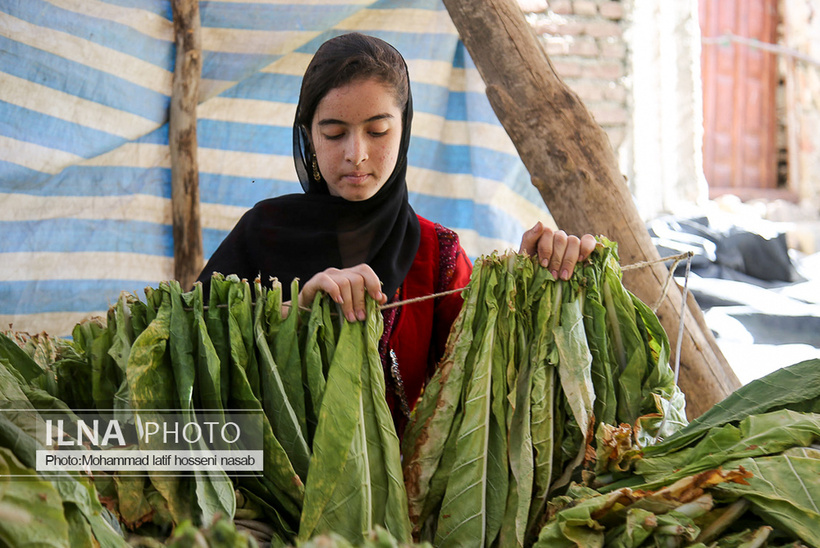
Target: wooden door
column 739, row 82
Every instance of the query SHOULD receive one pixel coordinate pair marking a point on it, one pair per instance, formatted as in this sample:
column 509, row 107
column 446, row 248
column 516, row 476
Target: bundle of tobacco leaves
column 331, row 453
column 746, row 473
column 554, row 420
column 533, row 369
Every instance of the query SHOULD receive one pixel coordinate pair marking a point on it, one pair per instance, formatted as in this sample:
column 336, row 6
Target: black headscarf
column 299, row 235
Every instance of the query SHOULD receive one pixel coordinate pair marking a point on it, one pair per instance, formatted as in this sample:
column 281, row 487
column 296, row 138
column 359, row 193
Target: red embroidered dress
column 417, row 332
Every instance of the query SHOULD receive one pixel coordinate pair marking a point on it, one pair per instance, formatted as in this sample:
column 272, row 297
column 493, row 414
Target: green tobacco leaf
column 329, row 335
column 279, row 480
column 214, row 490
column 789, row 387
column 133, row 506
column 627, row 345
column 286, row 355
column 662, row 418
column 152, row 387
column 751, row 538
column 279, row 477
column 502, row 374
column 123, row 331
column 273, row 515
column 80, row 492
column 18, row 441
column 273, row 310
column 389, row 503
column 604, row 371
column 574, row 372
column 149, row 373
column 17, row 358
column 674, row 529
column 661, row 395
column 79, row 530
column 637, row 527
column 756, row 435
column 240, row 331
column 542, row 402
column 43, row 350
column 348, row 509
column 122, row 335
column 181, row 348
column 661, row 378
column 140, row 317
column 521, row 454
column 208, row 396
column 356, row 485
column 207, row 392
column 280, row 414
column 336, row 440
column 784, row 490
column 463, row 516
column 313, row 364
column 216, row 321
column 427, row 522
column 575, row 525
column 542, row 406
column 106, row 376
column 431, row 424
column 71, row 386
column 37, row 509
column 601, row 371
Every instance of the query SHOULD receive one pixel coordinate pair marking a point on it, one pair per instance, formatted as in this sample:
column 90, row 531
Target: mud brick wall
column 585, row 42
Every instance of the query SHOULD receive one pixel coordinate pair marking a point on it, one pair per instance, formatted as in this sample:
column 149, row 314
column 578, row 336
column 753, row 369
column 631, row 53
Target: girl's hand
column 347, row 287
column 556, row 250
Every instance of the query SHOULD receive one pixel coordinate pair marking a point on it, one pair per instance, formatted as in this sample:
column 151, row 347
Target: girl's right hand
column 347, row 287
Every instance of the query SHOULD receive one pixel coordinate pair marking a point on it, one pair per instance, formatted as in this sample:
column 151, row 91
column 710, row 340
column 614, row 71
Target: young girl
column 353, row 231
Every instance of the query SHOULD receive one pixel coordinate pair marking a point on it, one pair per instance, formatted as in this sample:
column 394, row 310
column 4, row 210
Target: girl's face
column 356, row 133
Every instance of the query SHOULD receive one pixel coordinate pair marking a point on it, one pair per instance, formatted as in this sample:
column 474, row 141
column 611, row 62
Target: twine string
column 634, row 266
column 642, row 264
column 683, row 306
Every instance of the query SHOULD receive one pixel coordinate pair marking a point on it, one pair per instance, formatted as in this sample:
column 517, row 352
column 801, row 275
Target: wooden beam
column 572, row 164
column 188, row 255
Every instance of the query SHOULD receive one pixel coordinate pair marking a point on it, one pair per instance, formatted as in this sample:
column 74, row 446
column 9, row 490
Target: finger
column 529, row 241
column 322, row 281
column 372, row 283
column 357, row 294
column 558, row 246
column 333, row 282
column 570, row 257
column 347, row 299
column 545, row 247
column 286, row 306
column 588, row 243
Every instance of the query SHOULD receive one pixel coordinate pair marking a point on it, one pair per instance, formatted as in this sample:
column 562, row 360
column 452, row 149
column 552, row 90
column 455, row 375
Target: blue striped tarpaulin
column 85, row 177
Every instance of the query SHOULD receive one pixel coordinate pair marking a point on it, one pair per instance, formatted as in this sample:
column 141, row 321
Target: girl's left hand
column 556, row 250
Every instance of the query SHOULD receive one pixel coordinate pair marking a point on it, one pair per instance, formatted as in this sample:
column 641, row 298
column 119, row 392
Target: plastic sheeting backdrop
column 85, row 178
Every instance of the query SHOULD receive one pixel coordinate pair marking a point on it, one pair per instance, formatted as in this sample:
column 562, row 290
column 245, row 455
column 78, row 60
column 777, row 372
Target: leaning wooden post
column 572, row 164
column 188, row 255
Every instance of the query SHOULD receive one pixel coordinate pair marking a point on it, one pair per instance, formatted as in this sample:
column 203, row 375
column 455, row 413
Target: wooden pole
column 572, row 164
column 188, row 255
